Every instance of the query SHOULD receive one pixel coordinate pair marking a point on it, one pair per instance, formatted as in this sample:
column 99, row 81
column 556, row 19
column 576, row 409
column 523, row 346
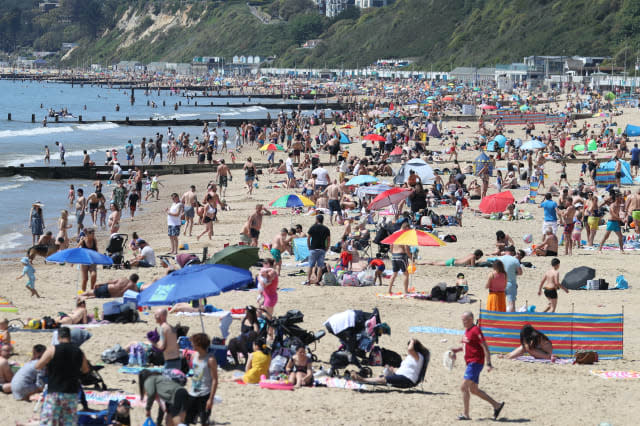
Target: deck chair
column 364, row 247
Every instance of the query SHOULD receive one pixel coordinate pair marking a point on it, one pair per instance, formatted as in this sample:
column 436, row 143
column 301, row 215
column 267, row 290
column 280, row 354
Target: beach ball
column 528, row 239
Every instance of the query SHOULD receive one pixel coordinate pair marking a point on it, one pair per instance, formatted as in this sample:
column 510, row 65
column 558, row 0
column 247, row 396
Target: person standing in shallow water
column 36, row 221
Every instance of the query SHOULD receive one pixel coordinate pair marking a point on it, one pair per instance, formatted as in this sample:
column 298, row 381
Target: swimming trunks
column 613, row 226
column 450, row 262
column 276, row 254
column 189, row 211
column 254, row 233
column 551, row 294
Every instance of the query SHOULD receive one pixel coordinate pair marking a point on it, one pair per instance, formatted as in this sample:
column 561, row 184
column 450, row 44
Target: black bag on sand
column 339, row 360
column 391, row 358
column 437, row 293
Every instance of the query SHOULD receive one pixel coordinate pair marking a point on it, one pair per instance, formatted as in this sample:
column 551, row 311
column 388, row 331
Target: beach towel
column 125, row 369
column 527, row 358
column 569, row 332
column 434, row 330
column 616, row 374
column 336, row 382
column 6, row 306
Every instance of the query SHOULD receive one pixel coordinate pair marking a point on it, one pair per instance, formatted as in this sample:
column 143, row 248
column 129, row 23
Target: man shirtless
column 279, row 244
column 549, row 246
column 224, row 175
column 112, row 288
column 93, row 201
column 334, row 193
column 81, row 206
column 254, row 224
column 400, row 256
column 633, row 208
column 168, row 341
column 469, row 260
column 616, row 207
column 78, row 316
column 190, row 202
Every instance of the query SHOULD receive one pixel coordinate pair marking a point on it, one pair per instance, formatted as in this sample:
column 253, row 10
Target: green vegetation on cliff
column 435, row 33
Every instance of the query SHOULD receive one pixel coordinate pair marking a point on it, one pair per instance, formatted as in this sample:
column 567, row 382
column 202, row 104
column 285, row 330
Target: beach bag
column 450, row 238
column 350, row 280
column 586, row 357
column 330, row 279
column 375, row 357
column 278, row 365
column 115, row 354
column 339, row 359
column 451, row 294
column 367, row 277
column 391, row 358
column 621, row 283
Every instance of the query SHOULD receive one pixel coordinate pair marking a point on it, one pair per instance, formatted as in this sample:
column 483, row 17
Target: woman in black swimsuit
column 89, row 242
column 533, row 342
column 300, row 368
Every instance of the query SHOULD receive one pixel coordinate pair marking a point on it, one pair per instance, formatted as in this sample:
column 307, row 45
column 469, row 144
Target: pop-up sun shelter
column 605, row 174
column 631, row 130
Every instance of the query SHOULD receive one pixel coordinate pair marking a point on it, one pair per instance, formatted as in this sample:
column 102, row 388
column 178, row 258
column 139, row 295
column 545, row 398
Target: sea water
column 22, row 142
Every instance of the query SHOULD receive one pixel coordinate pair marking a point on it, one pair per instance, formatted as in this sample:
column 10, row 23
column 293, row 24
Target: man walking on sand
column 224, row 175
column 476, row 351
column 190, row 202
column 400, row 255
column 334, row 193
column 254, row 224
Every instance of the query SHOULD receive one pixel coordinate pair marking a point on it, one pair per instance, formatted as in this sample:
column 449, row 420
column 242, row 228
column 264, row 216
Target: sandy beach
column 540, row 394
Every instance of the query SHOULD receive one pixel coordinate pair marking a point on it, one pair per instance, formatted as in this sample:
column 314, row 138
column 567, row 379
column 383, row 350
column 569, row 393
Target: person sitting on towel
column 411, row 371
column 534, row 343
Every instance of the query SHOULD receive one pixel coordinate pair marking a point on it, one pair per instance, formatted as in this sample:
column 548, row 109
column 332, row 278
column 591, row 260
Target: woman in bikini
column 300, row 368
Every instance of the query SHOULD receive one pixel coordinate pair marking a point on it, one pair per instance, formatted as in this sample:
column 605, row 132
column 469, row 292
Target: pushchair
column 358, row 332
column 287, row 332
column 115, row 250
column 383, row 232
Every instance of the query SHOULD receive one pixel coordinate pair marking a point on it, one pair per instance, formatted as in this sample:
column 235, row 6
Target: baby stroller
column 115, row 250
column 93, row 378
column 383, row 232
column 358, row 332
column 287, row 332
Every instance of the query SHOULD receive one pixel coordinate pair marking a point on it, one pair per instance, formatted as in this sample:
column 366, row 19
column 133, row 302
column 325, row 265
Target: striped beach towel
column 533, row 191
column 6, row 306
column 568, row 332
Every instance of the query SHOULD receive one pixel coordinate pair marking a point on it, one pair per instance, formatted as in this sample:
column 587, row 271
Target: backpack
column 375, row 357
column 115, row 354
column 450, row 238
column 339, row 359
column 126, row 315
column 451, row 294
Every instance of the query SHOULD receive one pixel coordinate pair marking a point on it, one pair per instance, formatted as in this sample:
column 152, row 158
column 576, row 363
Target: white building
column 366, row 4
column 335, row 7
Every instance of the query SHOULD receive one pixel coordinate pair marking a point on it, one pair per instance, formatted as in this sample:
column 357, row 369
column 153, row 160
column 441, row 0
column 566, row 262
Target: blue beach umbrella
column 361, row 180
column 194, row 282
column 80, row 256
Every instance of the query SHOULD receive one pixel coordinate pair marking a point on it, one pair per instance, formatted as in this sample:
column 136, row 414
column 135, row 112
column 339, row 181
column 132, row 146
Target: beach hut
column 480, row 161
column 605, row 174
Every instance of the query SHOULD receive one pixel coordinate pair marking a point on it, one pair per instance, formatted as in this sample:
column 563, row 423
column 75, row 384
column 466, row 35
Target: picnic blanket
column 528, row 358
column 337, row 382
column 616, row 374
column 569, row 332
column 219, row 314
column 434, row 330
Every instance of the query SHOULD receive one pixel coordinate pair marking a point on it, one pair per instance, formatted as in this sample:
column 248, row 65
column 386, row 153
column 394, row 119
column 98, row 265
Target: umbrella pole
column 201, row 321
column 79, row 278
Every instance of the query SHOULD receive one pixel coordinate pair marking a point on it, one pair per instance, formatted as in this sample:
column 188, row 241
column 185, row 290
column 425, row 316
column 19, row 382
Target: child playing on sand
column 30, row 272
column 346, row 258
column 461, row 281
column 551, row 283
column 576, row 235
column 378, row 265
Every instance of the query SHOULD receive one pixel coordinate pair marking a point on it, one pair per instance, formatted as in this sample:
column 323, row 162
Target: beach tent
column 422, row 169
column 344, row 139
column 605, row 174
column 300, row 249
column 631, row 130
column 497, row 143
column 480, row 161
column 432, row 131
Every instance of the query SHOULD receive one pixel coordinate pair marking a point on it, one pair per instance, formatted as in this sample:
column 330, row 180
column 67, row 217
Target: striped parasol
column 413, row 237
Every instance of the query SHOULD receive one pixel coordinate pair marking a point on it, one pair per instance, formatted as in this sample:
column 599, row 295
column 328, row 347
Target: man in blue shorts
column 476, row 351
